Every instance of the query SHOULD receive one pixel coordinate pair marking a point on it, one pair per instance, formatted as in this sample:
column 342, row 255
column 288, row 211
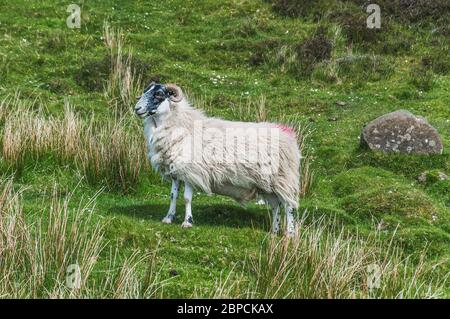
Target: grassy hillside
column 66, row 124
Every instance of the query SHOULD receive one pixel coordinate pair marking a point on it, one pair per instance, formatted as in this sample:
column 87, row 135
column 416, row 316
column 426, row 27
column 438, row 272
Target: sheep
column 241, row 160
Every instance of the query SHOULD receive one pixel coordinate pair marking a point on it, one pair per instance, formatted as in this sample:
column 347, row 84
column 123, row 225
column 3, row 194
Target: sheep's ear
column 175, row 92
column 149, row 86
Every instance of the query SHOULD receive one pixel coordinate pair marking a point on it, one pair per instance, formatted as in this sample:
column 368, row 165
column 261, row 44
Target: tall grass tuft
column 106, row 153
column 112, row 156
column 26, row 137
column 137, row 276
column 35, row 256
column 254, row 110
column 326, row 262
column 306, row 176
column 123, row 83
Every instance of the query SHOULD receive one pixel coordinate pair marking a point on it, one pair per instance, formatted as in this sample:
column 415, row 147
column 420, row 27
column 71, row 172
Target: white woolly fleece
column 189, row 146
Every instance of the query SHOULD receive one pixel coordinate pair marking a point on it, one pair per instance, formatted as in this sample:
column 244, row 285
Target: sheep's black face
column 154, row 95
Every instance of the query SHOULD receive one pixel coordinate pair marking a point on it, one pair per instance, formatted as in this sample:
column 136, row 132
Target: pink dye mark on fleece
column 286, row 129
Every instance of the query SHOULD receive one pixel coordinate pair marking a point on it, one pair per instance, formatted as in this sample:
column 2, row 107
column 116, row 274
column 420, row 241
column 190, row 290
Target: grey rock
column 423, row 178
column 401, row 131
column 442, row 176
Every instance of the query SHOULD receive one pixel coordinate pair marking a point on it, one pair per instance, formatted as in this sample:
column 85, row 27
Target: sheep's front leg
column 188, row 220
column 173, row 202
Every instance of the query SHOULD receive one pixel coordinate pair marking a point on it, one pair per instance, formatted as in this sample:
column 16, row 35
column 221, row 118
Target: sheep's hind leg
column 188, row 220
column 275, row 204
column 291, row 229
column 173, row 202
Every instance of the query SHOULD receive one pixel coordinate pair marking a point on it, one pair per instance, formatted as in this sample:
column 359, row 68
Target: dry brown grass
column 325, row 262
column 105, row 153
column 112, row 155
column 35, row 256
column 124, row 84
column 26, row 136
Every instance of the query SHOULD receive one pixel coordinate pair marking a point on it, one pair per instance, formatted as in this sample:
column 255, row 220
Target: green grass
column 228, row 53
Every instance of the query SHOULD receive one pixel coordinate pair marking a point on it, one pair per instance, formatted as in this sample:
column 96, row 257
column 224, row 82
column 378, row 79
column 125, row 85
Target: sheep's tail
column 301, row 133
column 288, row 183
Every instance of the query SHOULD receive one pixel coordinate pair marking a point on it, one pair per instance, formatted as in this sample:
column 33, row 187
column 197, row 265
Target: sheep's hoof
column 291, row 233
column 261, row 202
column 167, row 220
column 186, row 224
column 273, row 235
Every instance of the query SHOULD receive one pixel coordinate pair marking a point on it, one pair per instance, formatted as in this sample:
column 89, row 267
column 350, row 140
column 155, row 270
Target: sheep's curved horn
column 176, row 94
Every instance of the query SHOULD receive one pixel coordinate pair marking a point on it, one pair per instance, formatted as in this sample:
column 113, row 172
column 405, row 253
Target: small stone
column 432, row 176
column 341, row 103
column 422, row 177
column 403, row 132
column 173, row 272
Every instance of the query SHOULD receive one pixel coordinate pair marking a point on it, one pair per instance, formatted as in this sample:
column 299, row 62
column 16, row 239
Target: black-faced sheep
column 236, row 159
